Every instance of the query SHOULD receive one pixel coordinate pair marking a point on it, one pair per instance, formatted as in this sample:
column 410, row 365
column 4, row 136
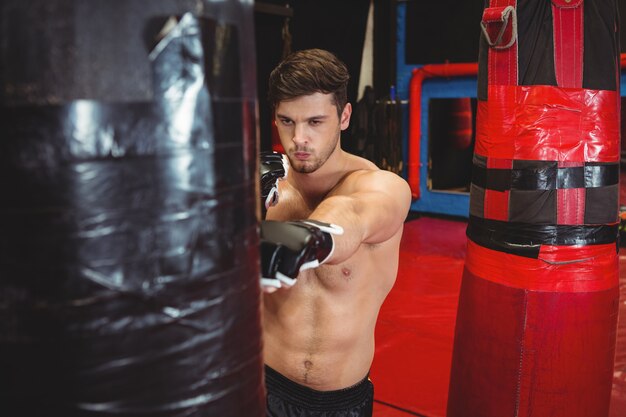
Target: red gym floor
column 415, row 329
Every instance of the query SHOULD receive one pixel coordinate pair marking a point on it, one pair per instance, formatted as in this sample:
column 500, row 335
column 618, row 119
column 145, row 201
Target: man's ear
column 345, row 116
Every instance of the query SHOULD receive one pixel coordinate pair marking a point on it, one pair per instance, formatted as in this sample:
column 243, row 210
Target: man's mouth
column 301, row 156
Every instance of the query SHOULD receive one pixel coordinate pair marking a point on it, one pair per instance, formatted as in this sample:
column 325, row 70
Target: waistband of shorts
column 300, row 395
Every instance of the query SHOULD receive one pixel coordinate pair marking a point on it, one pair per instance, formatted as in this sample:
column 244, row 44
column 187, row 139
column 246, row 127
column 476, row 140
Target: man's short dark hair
column 307, row 72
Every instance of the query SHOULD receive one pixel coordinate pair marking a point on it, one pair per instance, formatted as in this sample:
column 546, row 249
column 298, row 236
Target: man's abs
column 320, row 342
column 321, row 367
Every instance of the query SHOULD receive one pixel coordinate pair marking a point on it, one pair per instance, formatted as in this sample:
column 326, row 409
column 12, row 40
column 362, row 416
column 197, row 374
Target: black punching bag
column 128, row 210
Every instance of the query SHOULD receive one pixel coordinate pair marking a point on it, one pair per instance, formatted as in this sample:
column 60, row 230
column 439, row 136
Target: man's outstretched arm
column 370, row 207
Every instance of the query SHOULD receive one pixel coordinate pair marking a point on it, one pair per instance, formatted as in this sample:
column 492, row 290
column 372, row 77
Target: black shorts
column 286, row 398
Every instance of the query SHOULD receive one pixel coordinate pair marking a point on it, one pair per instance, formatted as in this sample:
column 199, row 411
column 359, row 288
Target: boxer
column 329, row 246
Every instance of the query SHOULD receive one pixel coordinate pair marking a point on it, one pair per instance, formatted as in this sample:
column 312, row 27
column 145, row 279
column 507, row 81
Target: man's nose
column 300, row 133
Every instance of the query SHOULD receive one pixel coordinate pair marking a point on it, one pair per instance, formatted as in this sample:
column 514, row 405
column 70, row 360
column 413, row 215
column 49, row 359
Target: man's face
column 309, row 129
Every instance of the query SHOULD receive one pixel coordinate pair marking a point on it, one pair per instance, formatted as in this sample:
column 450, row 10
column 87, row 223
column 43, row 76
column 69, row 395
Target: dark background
column 436, row 32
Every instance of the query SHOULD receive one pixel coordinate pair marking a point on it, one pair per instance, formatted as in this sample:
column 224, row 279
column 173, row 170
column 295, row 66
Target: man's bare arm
column 370, row 207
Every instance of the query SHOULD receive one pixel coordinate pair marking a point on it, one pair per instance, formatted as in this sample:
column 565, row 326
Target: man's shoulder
column 360, row 163
column 374, row 178
column 386, row 184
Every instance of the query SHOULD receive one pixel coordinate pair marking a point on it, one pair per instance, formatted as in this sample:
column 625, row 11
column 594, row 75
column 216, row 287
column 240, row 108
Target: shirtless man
column 329, row 246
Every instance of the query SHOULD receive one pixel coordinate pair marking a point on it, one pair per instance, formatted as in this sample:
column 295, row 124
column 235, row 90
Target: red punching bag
column 537, row 315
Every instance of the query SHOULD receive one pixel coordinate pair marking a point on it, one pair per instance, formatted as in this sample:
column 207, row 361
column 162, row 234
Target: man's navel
column 308, row 365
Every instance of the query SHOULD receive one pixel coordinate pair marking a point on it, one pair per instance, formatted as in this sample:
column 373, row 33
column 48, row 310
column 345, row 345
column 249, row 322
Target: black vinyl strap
column 546, row 177
column 524, row 239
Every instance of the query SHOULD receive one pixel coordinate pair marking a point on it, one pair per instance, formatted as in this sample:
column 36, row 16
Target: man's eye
column 286, row 122
column 315, row 122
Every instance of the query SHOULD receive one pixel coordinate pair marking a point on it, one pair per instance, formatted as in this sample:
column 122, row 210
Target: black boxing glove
column 287, row 248
column 273, row 168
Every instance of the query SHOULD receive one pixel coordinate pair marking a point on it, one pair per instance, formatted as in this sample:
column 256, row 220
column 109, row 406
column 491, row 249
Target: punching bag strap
column 568, row 37
column 499, row 27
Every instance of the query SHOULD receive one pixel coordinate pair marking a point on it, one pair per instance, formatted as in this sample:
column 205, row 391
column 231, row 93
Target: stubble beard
column 310, row 166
